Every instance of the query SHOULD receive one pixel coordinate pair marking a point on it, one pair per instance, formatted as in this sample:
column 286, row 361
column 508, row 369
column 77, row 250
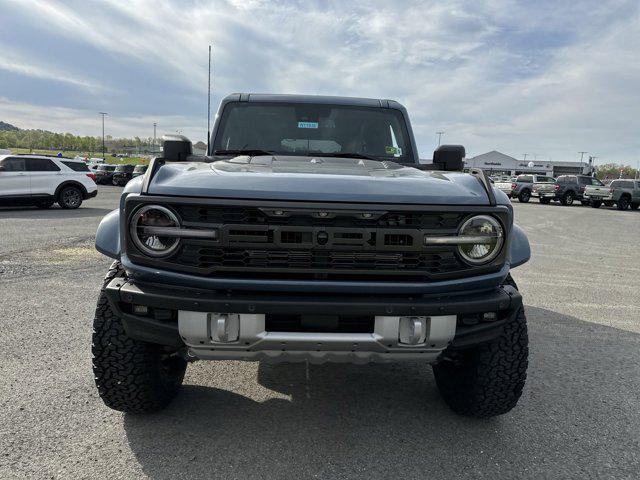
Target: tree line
column 45, row 140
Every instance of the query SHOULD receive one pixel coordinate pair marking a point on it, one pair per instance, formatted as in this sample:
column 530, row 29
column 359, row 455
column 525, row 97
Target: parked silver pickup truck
column 623, row 193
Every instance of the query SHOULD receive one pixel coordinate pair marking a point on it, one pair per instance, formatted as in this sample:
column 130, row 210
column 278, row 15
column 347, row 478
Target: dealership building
column 499, row 163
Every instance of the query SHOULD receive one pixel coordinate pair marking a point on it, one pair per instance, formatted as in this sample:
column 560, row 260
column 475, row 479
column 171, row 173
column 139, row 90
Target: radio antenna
column 209, row 104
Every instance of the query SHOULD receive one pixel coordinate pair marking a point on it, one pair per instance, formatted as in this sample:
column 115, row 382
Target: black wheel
column 634, row 206
column 623, row 203
column 70, row 197
column 525, row 196
column 584, row 203
column 596, row 203
column 487, row 380
column 545, row 201
column 131, row 376
column 567, row 199
column 45, row 204
column 114, row 182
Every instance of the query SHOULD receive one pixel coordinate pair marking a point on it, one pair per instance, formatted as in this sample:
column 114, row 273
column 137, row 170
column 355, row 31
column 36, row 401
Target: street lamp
column 103, row 114
column 154, row 137
column 439, row 136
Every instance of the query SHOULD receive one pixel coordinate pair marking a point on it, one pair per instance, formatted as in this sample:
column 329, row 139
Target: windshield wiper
column 348, row 155
column 250, row 152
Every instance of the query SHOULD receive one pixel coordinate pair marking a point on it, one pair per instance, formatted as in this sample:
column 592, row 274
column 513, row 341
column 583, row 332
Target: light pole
column 103, row 114
column 154, row 137
column 439, row 136
column 581, row 157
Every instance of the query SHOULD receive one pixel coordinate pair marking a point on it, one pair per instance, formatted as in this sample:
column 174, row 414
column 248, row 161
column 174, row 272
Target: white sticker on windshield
column 307, row 124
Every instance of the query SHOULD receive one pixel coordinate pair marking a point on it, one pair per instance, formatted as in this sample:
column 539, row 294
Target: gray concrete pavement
column 578, row 417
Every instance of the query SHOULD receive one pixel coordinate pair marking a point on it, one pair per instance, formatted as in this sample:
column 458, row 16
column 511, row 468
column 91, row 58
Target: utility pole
column 209, row 104
column 439, row 136
column 154, row 137
column 581, row 157
column 525, row 157
column 103, row 114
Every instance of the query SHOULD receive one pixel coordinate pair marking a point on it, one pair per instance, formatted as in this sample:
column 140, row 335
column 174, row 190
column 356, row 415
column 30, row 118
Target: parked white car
column 42, row 181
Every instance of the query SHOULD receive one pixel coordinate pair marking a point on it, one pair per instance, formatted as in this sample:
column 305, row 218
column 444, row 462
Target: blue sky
column 547, row 78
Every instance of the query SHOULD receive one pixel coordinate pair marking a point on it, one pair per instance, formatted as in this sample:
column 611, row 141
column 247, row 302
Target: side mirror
column 176, row 148
column 449, row 157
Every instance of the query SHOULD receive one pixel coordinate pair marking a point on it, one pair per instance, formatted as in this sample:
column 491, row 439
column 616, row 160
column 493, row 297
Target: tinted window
column 107, row 168
column 41, row 165
column 567, row 179
column 597, row 182
column 314, row 129
column 525, row 179
column 77, row 166
column 585, row 180
column 545, row 179
column 14, row 164
column 124, row 168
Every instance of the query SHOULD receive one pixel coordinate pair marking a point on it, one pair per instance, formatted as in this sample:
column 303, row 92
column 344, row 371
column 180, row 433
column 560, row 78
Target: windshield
column 314, row 129
column 124, row 168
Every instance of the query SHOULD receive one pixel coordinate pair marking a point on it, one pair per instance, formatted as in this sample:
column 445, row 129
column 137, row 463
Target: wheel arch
column 519, row 248
column 70, row 183
column 108, row 235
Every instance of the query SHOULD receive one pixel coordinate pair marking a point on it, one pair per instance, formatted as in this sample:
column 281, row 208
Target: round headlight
column 148, row 229
column 482, row 239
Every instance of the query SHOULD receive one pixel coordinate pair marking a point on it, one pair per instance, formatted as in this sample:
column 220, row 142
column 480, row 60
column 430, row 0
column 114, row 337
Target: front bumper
column 184, row 320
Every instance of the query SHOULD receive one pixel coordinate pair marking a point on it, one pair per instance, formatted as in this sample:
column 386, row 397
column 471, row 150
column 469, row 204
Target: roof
column 321, row 99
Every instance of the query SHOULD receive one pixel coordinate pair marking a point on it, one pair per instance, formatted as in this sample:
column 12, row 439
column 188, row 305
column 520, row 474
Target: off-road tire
column 623, row 203
column 595, row 203
column 524, row 196
column 70, row 198
column 545, row 201
column 131, row 375
column 567, row 199
column 487, row 380
column 635, row 206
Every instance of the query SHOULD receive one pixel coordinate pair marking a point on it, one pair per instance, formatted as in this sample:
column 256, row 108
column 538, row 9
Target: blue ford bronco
column 311, row 232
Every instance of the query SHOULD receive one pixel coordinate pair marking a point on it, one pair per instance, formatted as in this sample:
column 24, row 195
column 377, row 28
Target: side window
column 41, row 165
column 14, row 164
column 584, row 180
column 77, row 166
column 614, row 184
column 525, row 179
column 597, row 182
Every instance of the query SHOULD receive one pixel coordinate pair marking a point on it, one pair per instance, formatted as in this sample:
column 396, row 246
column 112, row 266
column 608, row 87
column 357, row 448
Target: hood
column 319, row 179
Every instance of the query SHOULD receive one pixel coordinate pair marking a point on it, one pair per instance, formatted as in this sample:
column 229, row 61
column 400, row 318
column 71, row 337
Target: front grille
column 317, row 243
column 314, row 262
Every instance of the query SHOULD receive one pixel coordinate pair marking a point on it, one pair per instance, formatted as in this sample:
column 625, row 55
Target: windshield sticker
column 307, row 124
column 393, row 151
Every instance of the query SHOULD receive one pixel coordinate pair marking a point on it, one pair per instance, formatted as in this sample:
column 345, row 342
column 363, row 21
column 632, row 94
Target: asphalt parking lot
column 578, row 418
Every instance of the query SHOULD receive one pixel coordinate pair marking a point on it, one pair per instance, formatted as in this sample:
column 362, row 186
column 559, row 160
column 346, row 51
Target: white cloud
column 547, row 78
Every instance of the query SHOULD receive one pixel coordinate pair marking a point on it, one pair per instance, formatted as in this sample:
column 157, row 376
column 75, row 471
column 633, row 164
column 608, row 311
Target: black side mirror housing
column 176, row 148
column 449, row 158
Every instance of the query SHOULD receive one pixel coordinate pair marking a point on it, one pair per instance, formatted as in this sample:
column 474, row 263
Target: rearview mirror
column 176, row 148
column 449, row 157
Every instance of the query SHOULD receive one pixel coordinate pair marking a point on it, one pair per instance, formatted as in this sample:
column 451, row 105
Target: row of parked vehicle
column 117, row 174
column 568, row 189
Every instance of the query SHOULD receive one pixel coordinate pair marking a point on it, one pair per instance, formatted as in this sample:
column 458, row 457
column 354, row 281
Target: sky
column 549, row 78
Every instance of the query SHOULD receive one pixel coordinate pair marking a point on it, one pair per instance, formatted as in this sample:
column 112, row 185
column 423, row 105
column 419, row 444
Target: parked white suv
column 40, row 180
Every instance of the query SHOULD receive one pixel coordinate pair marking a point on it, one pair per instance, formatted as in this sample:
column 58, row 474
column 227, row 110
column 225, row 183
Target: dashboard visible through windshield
column 314, row 129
